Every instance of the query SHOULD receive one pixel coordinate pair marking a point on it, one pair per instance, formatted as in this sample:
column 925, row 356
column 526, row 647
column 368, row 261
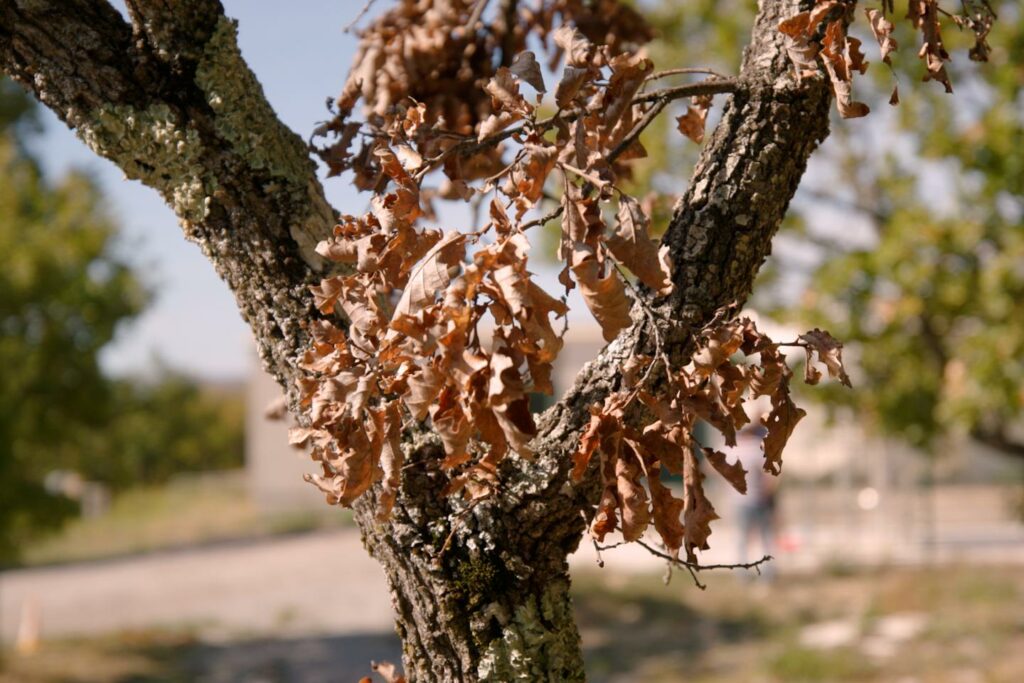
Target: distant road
column 325, row 583
column 293, row 585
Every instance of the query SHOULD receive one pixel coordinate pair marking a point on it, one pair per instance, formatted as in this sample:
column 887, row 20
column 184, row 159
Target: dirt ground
column 951, row 624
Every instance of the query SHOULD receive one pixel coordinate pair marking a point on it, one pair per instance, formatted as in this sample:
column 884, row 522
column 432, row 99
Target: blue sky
column 301, row 55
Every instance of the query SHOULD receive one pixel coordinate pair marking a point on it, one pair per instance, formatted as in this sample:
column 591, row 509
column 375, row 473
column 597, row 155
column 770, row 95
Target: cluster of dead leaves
column 714, row 387
column 440, row 54
column 449, row 326
column 820, row 36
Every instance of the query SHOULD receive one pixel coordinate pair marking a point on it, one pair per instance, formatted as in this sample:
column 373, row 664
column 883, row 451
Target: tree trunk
column 492, row 605
column 481, row 590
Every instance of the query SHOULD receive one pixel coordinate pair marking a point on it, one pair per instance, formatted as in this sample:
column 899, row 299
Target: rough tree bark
column 481, row 592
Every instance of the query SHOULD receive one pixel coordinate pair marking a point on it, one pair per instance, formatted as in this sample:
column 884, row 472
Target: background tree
column 65, row 289
column 931, row 296
column 390, row 335
column 63, row 292
column 915, row 274
column 165, row 427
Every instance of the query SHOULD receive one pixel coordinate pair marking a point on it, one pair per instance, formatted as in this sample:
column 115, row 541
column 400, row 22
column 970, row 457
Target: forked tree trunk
column 481, row 592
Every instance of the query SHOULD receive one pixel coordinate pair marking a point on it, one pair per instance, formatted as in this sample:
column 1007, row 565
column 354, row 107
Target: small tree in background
column 64, row 291
column 917, row 275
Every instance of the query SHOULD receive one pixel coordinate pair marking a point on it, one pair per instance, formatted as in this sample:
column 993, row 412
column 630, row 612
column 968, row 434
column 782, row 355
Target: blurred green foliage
column 64, row 291
column 167, row 427
column 906, row 240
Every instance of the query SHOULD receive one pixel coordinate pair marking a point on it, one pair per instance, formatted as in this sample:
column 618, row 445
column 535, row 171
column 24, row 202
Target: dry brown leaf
column 507, row 398
column 765, row 377
column 526, row 68
column 735, row 474
column 666, row 512
column 532, row 172
column 666, row 444
column 698, row 513
column 504, row 91
column 719, row 346
column 629, row 71
column 979, row 17
column 829, row 351
column 605, row 296
column 423, row 390
column 924, row 15
column 780, row 422
column 432, row 275
column 841, row 57
column 579, row 52
column 605, row 521
column 636, row 514
column 804, row 54
column 632, row 245
column 692, row 123
column 590, row 442
column 573, row 80
column 451, row 424
column 391, row 460
column 325, row 295
column 882, row 29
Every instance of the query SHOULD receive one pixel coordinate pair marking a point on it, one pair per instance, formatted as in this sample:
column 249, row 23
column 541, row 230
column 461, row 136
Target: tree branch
column 692, row 567
column 170, row 100
column 660, row 98
column 719, row 236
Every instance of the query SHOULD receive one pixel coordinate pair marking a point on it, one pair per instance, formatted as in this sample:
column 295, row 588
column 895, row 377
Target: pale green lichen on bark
column 151, row 145
column 244, row 117
column 248, row 123
column 539, row 643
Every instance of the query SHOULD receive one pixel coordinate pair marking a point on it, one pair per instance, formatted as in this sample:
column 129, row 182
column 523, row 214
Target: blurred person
column 756, row 511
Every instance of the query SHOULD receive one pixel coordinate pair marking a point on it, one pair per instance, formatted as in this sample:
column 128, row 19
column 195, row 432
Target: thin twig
column 683, row 70
column 632, row 136
column 478, row 9
column 710, row 86
column 362, row 13
column 589, row 177
column 471, row 145
column 550, row 216
column 693, row 567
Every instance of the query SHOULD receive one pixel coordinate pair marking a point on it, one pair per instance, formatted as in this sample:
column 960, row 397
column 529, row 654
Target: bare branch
column 478, row 10
column 470, row 145
column 362, row 13
column 684, row 70
column 692, row 567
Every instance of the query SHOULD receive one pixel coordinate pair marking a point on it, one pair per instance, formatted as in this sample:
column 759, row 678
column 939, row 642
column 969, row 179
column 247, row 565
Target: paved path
column 325, row 583
column 319, row 583
column 297, row 585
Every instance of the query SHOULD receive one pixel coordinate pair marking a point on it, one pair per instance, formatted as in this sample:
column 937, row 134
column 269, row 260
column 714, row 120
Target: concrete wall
column 273, row 468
